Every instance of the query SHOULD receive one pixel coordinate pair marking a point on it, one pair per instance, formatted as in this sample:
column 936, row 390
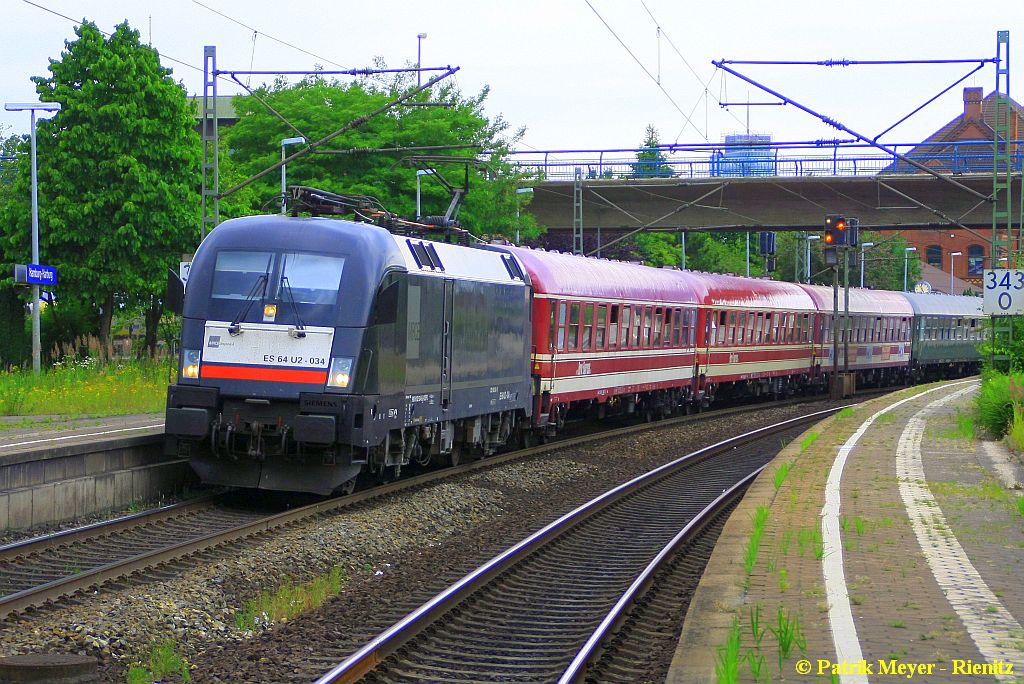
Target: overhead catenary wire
column 267, row 35
column 645, row 69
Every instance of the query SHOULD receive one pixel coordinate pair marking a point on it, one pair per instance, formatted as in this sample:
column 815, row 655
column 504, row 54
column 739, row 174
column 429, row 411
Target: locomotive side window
column 602, row 318
column 574, row 324
column 236, row 273
column 588, row 326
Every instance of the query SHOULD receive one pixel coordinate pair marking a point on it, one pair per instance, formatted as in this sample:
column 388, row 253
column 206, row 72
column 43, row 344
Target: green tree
column 651, row 162
column 884, row 261
column 14, row 343
column 118, row 174
column 358, row 165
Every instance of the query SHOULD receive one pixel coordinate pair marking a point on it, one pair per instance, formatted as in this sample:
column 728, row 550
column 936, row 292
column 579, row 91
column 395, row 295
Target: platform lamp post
column 285, row 142
column 951, row 255
column 520, row 191
column 419, row 52
column 34, row 107
column 863, row 264
column 906, row 261
column 809, row 239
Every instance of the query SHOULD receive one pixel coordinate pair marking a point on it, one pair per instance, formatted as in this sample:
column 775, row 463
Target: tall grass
column 995, row 401
column 78, row 388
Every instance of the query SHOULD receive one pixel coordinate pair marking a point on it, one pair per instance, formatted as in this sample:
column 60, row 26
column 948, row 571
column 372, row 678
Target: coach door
column 446, row 343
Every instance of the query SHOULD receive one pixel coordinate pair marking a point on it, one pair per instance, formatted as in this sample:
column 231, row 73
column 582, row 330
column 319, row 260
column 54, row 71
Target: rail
column 370, row 656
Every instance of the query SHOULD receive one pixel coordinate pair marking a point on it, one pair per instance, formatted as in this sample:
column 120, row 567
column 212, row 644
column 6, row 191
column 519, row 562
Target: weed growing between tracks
column 289, row 600
column 85, row 388
column 163, row 660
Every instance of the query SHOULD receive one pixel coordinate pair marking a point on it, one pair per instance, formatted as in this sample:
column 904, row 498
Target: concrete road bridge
column 776, row 187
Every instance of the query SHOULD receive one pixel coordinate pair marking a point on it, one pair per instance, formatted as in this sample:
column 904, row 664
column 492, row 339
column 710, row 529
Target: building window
column 975, row 260
column 934, row 256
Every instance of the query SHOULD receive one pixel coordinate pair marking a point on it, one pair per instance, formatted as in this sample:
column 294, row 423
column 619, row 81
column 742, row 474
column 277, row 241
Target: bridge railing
column 797, row 159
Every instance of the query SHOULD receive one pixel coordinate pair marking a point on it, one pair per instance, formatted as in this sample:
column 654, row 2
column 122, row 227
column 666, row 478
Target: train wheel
column 346, row 488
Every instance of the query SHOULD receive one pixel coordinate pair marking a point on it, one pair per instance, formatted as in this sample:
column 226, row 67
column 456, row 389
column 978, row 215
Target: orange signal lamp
column 828, row 237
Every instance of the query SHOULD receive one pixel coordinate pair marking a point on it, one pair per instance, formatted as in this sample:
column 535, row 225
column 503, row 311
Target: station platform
column 54, row 470
column 892, row 548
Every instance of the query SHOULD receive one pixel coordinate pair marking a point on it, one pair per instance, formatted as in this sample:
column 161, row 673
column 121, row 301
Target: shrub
column 995, row 401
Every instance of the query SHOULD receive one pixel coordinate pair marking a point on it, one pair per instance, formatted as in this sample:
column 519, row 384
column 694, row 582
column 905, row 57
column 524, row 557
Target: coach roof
column 568, row 275
column 862, row 301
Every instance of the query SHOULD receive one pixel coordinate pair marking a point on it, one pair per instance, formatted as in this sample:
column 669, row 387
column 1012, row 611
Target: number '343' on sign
column 1004, row 292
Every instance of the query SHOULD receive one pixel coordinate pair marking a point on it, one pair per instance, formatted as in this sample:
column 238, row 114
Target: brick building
column 964, row 145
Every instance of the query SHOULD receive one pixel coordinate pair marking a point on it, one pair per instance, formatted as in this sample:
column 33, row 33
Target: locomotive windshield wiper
column 235, row 328
column 299, row 325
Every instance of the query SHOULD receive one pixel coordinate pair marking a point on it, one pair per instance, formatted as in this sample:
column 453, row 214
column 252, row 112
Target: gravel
column 395, row 552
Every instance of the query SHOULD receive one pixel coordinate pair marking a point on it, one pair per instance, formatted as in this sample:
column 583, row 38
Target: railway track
column 44, row 570
column 562, row 591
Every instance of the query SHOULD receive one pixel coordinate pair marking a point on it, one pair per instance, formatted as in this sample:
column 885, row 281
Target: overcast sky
column 557, row 68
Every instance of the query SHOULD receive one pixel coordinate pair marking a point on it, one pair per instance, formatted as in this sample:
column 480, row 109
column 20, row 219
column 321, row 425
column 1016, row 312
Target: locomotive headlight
column 338, row 375
column 190, row 364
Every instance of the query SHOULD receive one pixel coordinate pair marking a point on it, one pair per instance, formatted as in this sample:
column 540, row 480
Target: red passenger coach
column 880, row 325
column 755, row 338
column 610, row 336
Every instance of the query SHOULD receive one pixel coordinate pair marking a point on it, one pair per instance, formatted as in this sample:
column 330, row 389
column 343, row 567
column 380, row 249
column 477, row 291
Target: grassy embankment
column 85, row 389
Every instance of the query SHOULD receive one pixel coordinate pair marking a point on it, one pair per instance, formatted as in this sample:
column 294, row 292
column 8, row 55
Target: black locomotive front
column 293, row 363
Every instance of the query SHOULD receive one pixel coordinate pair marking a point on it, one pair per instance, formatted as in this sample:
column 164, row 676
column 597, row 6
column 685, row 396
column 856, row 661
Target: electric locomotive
column 314, row 348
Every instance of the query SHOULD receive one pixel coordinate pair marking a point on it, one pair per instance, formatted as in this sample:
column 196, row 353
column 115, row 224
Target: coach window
column 626, row 309
column 741, row 328
column 588, row 326
column 638, row 314
column 647, row 327
column 671, row 322
column 554, row 324
column 730, row 337
column 723, row 328
column 561, row 326
column 602, row 321
column 613, row 326
column 760, row 328
column 657, row 327
column 680, row 327
column 574, row 325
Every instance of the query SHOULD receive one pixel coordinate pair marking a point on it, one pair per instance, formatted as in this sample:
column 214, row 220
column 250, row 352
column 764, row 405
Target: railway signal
column 835, row 230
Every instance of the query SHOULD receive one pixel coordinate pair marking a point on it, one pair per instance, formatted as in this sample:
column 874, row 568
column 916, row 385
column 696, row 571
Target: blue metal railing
column 796, row 159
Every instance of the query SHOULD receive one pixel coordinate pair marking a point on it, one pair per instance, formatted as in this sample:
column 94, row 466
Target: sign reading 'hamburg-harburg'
column 35, row 274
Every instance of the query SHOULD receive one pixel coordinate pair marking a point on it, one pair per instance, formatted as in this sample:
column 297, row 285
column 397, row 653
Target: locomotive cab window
column 310, row 278
column 236, row 274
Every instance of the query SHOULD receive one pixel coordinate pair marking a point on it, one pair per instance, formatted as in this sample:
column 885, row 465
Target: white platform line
column 992, row 627
column 840, row 614
column 80, row 435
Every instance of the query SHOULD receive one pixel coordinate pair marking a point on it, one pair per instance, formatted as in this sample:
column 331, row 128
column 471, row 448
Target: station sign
column 1004, row 292
column 35, row 274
